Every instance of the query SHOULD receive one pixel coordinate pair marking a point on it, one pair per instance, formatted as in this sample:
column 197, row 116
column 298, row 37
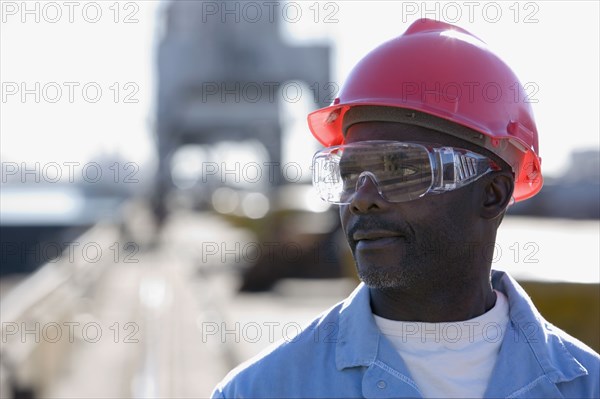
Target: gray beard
column 383, row 279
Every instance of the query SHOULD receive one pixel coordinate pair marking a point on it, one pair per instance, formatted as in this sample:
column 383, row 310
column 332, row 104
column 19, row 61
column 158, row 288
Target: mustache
column 375, row 223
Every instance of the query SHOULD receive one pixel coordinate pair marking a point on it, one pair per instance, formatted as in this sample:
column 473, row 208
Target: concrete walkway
column 167, row 321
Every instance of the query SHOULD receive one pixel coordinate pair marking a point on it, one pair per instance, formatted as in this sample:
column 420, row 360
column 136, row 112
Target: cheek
column 451, row 217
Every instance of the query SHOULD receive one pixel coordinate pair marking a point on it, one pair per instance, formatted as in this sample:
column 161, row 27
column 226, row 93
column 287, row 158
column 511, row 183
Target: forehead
column 402, row 132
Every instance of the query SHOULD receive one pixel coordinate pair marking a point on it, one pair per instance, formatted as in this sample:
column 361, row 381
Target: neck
column 432, row 305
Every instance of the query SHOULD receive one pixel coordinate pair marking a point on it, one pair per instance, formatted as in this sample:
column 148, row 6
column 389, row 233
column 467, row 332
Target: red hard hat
column 437, row 71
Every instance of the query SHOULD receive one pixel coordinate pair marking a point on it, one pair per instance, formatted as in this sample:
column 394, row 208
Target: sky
column 552, row 46
column 87, row 69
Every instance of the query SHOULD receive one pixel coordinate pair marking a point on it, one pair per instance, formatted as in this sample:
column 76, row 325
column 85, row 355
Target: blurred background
column 157, row 222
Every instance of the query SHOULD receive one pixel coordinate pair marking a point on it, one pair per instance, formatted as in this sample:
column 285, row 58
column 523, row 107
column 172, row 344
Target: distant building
column 220, row 75
column 574, row 195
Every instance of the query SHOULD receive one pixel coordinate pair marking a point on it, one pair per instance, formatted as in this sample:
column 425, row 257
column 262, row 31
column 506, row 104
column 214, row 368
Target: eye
column 409, row 170
column 398, row 166
column 349, row 178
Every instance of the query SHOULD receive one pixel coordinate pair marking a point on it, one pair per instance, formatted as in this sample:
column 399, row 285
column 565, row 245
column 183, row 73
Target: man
column 428, row 143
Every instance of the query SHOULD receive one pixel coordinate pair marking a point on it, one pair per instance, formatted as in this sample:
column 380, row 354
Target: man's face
column 426, row 242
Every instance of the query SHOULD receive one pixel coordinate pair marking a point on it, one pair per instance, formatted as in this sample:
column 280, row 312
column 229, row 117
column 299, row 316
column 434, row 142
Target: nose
column 366, row 197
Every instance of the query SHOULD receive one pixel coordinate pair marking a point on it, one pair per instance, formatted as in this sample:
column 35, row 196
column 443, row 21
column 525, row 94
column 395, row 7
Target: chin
column 379, row 278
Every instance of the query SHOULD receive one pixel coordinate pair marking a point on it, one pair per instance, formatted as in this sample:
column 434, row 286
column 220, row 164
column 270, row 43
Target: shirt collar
column 547, row 348
column 358, row 336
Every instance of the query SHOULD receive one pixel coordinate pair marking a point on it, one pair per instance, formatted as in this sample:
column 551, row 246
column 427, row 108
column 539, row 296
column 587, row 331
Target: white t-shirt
column 450, row 360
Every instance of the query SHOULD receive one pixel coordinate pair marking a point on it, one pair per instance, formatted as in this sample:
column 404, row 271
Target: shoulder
column 565, row 360
column 585, row 358
column 577, row 348
column 286, row 365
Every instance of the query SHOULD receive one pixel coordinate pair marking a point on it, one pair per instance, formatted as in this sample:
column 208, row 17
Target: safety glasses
column 401, row 171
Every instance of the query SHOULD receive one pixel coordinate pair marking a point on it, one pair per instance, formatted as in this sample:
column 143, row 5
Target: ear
column 497, row 194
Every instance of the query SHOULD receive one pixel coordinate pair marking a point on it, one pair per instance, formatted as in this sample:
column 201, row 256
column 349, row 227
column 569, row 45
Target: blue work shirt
column 343, row 354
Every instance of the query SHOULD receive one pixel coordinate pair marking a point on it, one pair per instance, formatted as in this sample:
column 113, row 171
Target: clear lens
column 326, row 175
column 402, row 171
